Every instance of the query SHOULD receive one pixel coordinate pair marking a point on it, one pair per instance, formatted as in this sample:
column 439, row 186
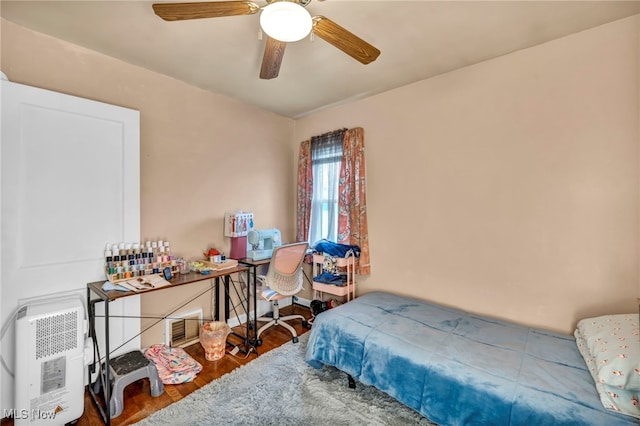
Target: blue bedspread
column 456, row 368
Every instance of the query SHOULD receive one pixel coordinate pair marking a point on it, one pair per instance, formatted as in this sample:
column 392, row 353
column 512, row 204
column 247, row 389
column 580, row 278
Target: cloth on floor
column 174, row 364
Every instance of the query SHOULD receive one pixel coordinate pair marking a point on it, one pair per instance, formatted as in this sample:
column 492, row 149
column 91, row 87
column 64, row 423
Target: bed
column 457, row 368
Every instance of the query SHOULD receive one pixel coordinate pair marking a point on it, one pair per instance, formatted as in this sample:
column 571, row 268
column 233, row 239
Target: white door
column 70, row 184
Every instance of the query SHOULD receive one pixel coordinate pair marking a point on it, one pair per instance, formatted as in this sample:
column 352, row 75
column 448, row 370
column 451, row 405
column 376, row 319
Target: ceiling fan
column 277, row 18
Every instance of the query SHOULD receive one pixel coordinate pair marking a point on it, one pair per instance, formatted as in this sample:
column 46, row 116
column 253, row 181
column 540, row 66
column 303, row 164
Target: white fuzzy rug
column 279, row 388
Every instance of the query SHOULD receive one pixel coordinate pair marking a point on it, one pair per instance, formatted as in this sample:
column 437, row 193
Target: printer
column 261, row 242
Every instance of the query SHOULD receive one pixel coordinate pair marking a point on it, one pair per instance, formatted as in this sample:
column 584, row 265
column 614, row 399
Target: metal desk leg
column 105, row 413
column 255, row 304
column 217, row 290
column 107, row 381
column 92, row 334
column 251, row 324
column 226, row 298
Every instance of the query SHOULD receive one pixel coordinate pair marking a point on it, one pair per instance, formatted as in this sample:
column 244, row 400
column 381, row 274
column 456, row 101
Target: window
column 326, row 156
column 331, row 192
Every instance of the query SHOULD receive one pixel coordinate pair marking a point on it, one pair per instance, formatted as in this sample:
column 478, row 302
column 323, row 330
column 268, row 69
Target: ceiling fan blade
column 273, row 53
column 217, row 9
column 344, row 40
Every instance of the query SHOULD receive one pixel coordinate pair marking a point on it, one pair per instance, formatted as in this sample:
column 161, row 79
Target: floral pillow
column 612, row 398
column 613, row 341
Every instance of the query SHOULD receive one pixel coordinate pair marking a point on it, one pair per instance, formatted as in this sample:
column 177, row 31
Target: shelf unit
column 346, row 264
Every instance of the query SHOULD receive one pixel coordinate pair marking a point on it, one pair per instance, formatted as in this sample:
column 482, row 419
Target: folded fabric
column 327, row 278
column 174, row 364
column 108, row 286
column 330, row 264
column 269, row 294
column 335, row 249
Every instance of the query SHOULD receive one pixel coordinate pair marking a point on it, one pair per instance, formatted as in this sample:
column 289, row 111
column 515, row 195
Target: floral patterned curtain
column 305, row 191
column 352, row 204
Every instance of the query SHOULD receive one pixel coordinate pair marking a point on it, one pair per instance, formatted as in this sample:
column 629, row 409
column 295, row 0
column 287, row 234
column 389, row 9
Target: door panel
column 70, row 184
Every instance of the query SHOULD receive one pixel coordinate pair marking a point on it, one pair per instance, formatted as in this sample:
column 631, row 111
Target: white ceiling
column 418, row 40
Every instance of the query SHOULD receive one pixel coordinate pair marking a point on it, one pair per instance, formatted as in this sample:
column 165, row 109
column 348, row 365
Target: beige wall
column 201, row 154
column 509, row 187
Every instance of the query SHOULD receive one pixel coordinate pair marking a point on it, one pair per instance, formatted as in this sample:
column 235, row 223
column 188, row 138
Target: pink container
column 238, row 248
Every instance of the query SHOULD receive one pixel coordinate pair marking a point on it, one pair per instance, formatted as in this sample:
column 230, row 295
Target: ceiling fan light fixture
column 285, row 21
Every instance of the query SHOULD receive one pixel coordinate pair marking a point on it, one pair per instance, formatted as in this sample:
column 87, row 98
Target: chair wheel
column 295, row 339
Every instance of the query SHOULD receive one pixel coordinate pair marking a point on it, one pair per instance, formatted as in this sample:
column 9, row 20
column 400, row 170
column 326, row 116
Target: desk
column 179, row 279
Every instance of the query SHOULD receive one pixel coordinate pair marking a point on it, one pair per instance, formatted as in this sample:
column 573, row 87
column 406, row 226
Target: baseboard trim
column 302, row 301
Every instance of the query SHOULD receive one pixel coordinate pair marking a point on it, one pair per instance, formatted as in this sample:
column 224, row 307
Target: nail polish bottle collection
column 128, row 260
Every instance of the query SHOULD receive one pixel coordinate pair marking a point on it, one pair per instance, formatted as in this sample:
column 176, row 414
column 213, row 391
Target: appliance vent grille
column 56, row 334
column 185, row 330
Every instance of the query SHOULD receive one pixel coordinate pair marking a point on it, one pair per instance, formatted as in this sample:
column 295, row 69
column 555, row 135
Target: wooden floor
column 138, row 401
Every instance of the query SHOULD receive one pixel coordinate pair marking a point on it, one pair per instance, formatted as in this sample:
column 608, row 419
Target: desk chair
column 284, row 279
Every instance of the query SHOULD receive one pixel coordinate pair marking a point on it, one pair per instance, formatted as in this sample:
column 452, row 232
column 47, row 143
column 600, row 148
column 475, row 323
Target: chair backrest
column 285, row 269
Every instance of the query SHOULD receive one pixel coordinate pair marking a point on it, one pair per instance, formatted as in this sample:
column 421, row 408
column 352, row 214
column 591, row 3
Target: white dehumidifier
column 49, row 362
